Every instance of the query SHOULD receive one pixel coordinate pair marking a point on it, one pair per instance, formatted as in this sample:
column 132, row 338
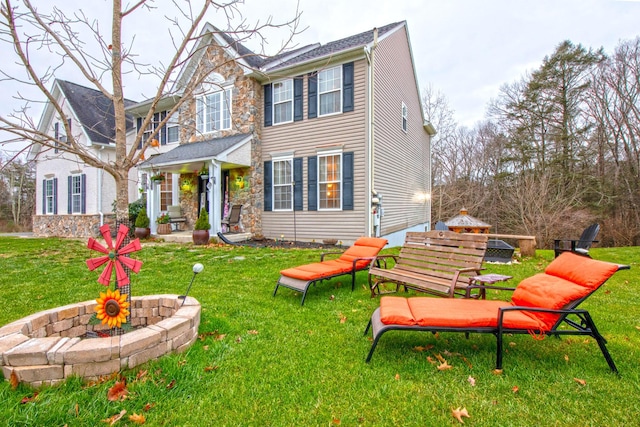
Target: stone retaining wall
column 47, row 348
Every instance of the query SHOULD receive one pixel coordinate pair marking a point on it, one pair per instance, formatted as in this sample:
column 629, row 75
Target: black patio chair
column 580, row 246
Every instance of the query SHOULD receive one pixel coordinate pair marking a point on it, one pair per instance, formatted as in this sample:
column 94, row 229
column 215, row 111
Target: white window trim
column 339, row 68
column 329, row 153
column 405, row 118
column 273, row 99
column 75, row 177
column 288, row 158
column 226, row 101
column 49, row 196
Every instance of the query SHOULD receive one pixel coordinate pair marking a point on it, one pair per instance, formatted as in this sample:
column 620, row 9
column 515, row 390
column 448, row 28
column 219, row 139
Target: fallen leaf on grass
column 138, row 419
column 182, row 362
column 141, row 374
column 459, row 413
column 171, row 385
column 472, row 381
column 205, row 347
column 211, row 368
column 566, row 357
column 336, row 421
column 28, row 399
column 397, row 377
column 148, row 407
column 579, row 381
column 118, row 391
column 440, row 358
column 497, row 372
column 343, row 318
column 423, row 348
column 252, row 332
column 638, row 328
column 115, row 418
column 430, row 360
column 444, row 366
column 515, row 389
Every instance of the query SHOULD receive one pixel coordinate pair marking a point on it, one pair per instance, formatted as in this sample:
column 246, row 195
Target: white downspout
column 99, row 172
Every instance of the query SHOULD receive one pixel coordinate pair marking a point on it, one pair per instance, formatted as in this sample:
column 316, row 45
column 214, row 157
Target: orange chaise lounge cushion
column 568, row 278
column 363, row 247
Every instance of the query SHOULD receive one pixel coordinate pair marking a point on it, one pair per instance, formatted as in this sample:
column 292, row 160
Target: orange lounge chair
column 540, row 305
column 356, row 258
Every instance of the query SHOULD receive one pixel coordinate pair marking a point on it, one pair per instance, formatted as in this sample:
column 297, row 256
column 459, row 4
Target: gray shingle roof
column 195, row 151
column 334, row 47
column 94, row 111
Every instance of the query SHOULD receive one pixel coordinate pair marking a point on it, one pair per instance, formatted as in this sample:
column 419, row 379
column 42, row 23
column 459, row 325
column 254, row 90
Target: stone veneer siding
column 246, row 118
column 69, row 225
column 45, row 348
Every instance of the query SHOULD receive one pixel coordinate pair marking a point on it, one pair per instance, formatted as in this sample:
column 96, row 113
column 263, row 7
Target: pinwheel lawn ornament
column 114, row 256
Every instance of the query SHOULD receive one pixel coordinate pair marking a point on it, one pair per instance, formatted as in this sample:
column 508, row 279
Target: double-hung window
column 76, row 194
column 330, row 181
column 283, row 184
column 166, row 191
column 330, row 91
column 283, row 102
column 49, row 196
column 213, row 111
column 404, row 117
column 173, row 130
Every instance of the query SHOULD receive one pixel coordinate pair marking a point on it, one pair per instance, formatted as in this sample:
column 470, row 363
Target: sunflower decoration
column 112, row 308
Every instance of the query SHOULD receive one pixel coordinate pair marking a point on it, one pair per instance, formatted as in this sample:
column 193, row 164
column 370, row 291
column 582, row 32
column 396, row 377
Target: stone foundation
column 69, row 225
column 46, row 348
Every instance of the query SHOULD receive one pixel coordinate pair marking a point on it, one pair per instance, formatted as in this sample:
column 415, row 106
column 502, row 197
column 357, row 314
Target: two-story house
column 74, row 199
column 324, row 142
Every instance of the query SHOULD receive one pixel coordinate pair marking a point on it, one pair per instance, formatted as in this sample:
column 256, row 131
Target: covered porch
column 213, row 174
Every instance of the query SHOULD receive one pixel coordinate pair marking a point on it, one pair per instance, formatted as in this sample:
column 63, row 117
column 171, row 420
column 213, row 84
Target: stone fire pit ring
column 47, row 347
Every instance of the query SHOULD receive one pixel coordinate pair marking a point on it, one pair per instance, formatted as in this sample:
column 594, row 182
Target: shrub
column 203, row 221
column 142, row 220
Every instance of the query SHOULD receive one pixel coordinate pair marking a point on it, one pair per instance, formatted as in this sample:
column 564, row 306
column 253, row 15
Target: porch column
column 153, row 205
column 215, row 200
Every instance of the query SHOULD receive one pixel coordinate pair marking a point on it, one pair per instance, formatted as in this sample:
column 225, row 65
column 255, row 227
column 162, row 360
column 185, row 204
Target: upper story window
column 404, row 117
column 330, row 181
column 49, row 196
column 330, row 91
column 283, row 184
column 283, row 102
column 60, row 134
column 148, row 132
column 173, row 129
column 213, row 111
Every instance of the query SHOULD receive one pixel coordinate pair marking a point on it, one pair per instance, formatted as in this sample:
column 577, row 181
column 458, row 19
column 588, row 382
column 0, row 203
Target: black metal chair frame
column 580, row 323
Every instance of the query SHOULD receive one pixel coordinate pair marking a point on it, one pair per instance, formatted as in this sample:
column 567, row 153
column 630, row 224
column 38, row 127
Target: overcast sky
column 465, row 49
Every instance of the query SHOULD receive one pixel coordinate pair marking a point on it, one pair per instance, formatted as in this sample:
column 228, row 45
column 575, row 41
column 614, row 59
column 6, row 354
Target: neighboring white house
column 72, row 198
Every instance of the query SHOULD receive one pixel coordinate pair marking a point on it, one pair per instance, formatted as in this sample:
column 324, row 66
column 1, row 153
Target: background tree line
column 559, row 150
column 17, row 193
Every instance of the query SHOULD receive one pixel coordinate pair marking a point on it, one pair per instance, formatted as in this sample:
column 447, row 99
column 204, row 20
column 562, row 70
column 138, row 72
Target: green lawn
column 265, row 361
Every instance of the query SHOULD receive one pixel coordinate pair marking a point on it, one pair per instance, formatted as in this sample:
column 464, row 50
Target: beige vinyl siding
column 401, row 159
column 303, row 139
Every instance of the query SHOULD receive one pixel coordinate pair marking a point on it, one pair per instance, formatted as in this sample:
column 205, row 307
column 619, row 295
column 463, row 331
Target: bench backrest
column 440, row 253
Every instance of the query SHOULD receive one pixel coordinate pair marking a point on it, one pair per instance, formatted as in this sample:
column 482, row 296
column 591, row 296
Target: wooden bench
column 437, row 262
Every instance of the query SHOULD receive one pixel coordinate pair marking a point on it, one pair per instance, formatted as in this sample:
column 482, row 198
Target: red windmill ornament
column 114, row 256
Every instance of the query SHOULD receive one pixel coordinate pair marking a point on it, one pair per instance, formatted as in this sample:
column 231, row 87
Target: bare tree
column 104, row 58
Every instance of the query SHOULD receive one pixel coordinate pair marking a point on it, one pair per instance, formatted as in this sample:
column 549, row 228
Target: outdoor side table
column 485, row 279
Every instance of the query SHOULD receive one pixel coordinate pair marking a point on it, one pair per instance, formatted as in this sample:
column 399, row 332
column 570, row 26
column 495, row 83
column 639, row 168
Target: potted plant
column 142, row 224
column 201, row 228
column 164, row 227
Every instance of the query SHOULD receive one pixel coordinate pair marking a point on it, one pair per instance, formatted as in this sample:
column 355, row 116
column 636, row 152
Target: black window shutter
column 312, row 95
column 83, row 193
column 297, row 184
column 297, row 99
column 312, row 186
column 163, row 130
column 138, row 126
column 268, row 105
column 347, row 181
column 44, row 196
column 55, row 196
column 69, row 136
column 267, row 186
column 347, row 87
column 69, row 197
column 55, row 136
